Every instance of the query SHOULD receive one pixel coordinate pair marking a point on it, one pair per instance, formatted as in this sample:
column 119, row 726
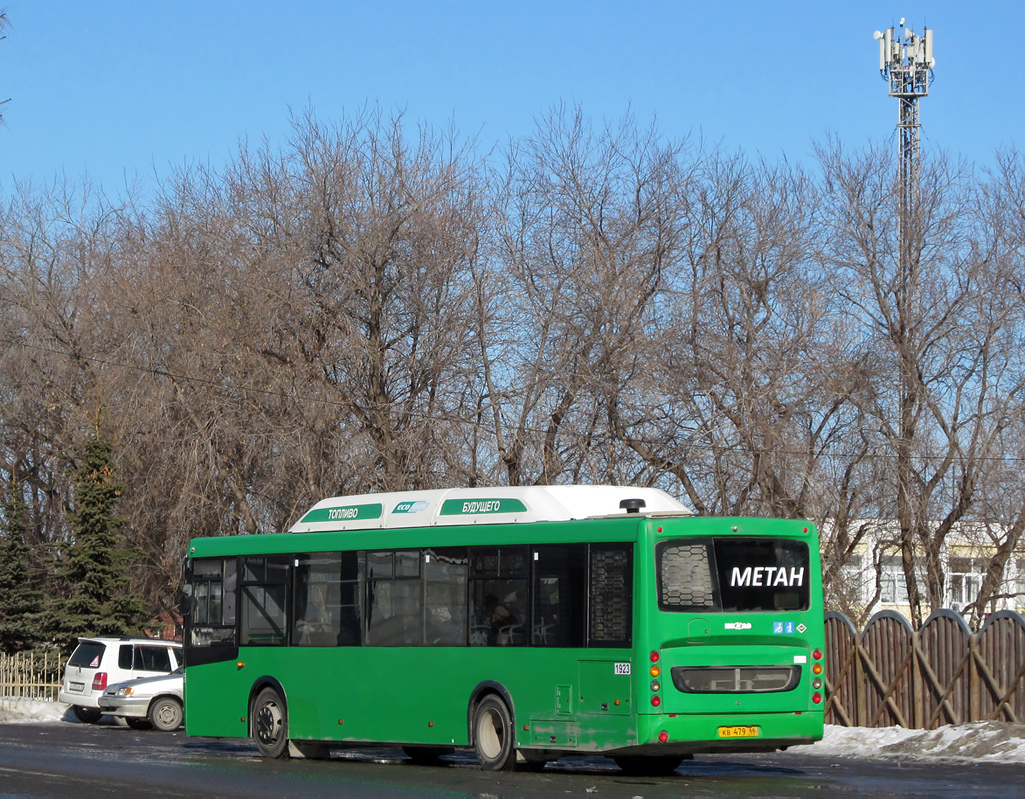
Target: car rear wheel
column 270, row 724
column 165, row 714
column 89, row 715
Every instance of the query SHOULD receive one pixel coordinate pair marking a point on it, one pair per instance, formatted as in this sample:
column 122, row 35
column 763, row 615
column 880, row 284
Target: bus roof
column 461, row 506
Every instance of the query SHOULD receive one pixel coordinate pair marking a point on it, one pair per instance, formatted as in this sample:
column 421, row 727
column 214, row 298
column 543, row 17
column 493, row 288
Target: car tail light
column 100, row 681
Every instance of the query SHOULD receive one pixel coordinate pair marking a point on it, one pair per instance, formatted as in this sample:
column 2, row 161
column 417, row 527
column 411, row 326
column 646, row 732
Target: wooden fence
column 892, row 675
column 30, row 675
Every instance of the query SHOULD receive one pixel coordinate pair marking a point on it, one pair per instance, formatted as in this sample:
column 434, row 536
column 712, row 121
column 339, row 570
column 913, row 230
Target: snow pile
column 15, row 710
column 980, row 740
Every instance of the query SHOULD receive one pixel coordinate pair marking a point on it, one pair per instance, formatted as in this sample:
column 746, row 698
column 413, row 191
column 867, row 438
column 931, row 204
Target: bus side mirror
column 185, row 605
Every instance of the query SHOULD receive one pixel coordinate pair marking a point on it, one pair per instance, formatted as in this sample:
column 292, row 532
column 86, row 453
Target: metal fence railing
column 35, row 674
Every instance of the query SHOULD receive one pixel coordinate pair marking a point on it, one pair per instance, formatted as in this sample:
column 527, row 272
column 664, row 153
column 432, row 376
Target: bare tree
column 936, row 329
column 584, row 230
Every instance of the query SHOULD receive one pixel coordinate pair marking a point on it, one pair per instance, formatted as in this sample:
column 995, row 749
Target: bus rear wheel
column 493, row 739
column 270, row 724
column 648, row 766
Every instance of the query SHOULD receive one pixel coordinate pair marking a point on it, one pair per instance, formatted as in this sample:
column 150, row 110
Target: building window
column 964, row 580
column 893, row 589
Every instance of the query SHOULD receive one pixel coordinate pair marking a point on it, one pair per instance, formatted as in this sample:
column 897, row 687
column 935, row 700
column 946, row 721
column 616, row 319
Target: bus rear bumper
column 707, row 734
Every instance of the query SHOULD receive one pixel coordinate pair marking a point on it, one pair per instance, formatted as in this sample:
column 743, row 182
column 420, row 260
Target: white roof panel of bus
column 454, row 506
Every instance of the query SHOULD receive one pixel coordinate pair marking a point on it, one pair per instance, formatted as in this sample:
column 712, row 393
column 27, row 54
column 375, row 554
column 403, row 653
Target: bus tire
column 648, row 765
column 88, row 715
column 494, row 741
column 166, row 714
column 270, row 724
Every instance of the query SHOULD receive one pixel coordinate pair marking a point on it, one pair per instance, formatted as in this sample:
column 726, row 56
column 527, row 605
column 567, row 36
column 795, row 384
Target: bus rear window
column 702, row 575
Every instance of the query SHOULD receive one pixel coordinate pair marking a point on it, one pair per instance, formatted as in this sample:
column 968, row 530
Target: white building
column 872, row 578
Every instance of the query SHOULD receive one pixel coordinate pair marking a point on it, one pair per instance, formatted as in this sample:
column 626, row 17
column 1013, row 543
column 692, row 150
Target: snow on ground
column 13, row 711
column 992, row 741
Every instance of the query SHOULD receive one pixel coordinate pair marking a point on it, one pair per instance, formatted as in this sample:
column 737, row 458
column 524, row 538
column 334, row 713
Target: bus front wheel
column 270, row 724
column 493, row 739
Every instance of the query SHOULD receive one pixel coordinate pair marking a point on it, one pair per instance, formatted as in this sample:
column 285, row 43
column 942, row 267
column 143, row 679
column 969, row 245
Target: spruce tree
column 95, row 567
column 20, row 596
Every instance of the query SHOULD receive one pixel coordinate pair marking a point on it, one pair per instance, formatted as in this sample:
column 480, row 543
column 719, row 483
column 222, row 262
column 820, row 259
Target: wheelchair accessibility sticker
column 783, row 627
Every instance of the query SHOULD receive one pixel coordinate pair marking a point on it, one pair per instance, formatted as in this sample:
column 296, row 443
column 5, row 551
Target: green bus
column 524, row 623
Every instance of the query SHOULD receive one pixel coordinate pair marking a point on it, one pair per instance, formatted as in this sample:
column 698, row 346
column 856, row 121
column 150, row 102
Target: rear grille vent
column 735, row 679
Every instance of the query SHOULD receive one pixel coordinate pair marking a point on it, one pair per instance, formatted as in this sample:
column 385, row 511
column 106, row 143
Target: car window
column 87, row 655
column 124, row 657
column 152, row 658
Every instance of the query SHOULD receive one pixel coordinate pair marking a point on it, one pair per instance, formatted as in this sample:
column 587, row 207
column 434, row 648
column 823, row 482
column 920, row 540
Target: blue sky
column 122, row 90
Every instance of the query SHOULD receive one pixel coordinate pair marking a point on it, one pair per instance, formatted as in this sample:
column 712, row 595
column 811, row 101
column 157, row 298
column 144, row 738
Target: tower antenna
column 905, row 63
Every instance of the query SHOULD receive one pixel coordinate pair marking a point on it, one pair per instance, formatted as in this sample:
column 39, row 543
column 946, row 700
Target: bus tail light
column 655, row 701
column 100, row 681
column 653, row 656
column 663, row 736
column 816, row 698
column 816, row 668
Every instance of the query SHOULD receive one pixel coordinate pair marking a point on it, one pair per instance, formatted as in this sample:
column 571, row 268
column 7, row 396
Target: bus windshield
column 702, row 575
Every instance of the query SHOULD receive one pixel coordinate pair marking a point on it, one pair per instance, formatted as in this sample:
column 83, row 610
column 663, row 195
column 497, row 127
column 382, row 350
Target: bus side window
column 560, row 589
column 394, row 601
column 498, row 596
column 445, row 571
column 326, row 603
column 264, row 592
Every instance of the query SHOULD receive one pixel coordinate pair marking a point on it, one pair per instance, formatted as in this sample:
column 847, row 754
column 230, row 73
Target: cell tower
column 906, row 64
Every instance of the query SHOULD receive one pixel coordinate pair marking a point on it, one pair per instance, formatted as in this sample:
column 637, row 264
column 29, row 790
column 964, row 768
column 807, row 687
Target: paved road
column 60, row 759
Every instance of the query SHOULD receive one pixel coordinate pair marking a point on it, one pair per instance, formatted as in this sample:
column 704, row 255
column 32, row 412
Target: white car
column 99, row 662
column 149, row 702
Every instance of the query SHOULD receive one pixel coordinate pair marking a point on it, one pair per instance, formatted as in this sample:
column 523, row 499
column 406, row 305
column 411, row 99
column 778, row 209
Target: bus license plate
column 738, row 732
